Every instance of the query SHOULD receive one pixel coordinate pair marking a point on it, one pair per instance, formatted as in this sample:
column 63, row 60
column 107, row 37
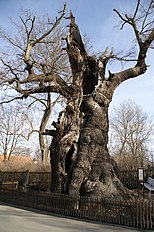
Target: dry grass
column 21, row 164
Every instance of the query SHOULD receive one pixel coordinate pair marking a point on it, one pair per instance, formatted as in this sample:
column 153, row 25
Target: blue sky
column 97, row 19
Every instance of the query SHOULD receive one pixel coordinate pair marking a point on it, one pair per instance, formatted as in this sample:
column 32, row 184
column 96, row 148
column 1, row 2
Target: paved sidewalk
column 16, row 220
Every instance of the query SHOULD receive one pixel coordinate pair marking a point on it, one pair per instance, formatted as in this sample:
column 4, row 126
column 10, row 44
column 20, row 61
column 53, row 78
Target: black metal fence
column 138, row 213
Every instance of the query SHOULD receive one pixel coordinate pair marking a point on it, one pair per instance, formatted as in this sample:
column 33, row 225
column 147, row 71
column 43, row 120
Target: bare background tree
column 14, row 129
column 80, row 160
column 47, row 56
column 131, row 132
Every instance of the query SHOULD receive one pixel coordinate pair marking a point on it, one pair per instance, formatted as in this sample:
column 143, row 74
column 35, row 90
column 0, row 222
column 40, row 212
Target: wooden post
column 25, row 185
column 0, row 176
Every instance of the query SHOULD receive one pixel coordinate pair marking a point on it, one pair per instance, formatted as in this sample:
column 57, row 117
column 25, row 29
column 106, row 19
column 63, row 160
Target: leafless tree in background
column 131, row 131
column 14, row 127
column 42, row 51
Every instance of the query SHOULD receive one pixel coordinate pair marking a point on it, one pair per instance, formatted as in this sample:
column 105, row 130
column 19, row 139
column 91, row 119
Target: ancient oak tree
column 80, row 160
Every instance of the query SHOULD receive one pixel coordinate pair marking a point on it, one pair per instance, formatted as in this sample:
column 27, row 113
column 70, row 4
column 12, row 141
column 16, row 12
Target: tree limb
column 140, row 66
column 145, row 18
column 136, row 10
column 32, row 43
column 13, row 99
column 49, row 132
column 44, row 78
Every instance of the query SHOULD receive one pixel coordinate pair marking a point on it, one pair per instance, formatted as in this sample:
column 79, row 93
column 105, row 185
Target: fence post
column 26, row 180
column 0, row 176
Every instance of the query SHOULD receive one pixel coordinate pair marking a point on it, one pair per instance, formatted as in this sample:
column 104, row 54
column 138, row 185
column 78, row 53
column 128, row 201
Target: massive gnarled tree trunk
column 80, row 159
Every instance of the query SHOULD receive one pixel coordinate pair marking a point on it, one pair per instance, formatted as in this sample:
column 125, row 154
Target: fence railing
column 41, row 179
column 138, row 213
column 128, row 178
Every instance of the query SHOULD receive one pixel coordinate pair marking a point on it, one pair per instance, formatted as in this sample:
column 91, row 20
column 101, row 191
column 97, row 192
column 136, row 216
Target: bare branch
column 29, row 134
column 64, row 91
column 58, row 20
column 120, row 16
column 10, row 68
column 32, row 43
column 13, row 99
column 28, row 32
column 49, row 132
column 136, row 10
column 49, row 77
column 145, row 18
column 36, row 100
column 144, row 45
column 11, row 41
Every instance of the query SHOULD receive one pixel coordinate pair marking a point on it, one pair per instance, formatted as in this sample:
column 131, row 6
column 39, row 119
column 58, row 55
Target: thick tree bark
column 81, row 164
column 80, row 161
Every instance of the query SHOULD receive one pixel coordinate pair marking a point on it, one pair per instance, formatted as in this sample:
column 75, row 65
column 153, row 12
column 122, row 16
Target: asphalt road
column 18, row 220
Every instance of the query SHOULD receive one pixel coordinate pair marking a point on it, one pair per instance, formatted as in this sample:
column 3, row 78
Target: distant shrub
column 21, row 164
